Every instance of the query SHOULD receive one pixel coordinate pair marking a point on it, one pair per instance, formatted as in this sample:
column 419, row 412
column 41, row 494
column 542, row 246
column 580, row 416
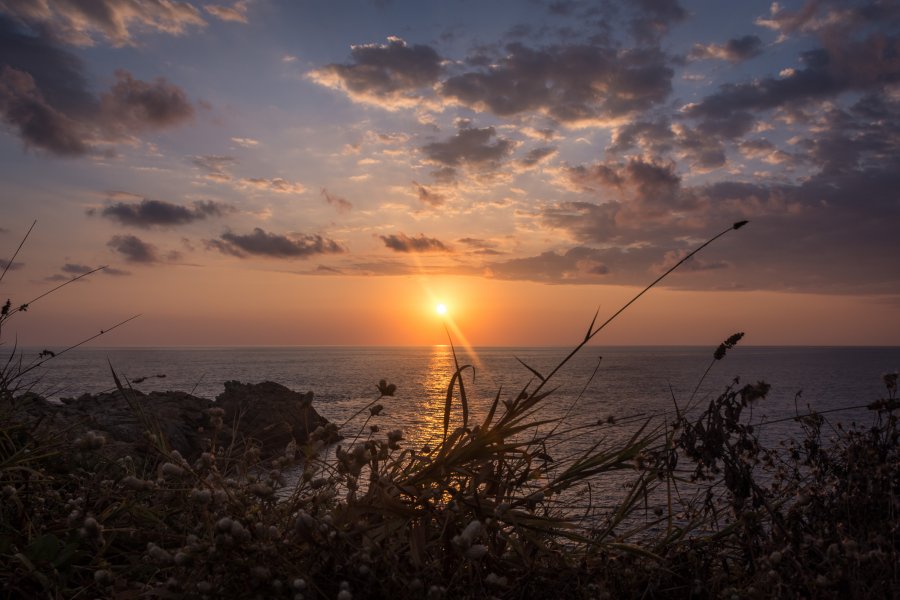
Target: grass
column 706, row 510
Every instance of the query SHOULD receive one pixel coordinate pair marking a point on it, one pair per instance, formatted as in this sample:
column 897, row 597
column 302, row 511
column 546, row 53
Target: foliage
column 707, row 510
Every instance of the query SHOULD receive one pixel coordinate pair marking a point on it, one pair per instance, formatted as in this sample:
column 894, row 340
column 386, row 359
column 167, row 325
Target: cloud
column 262, row 243
column 76, row 269
column 245, row 142
column 45, row 98
column 536, row 156
column 655, row 137
column 576, row 84
column 653, row 17
column 134, row 250
column 115, row 21
column 695, row 263
column 236, row 13
column 403, row 243
column 157, row 213
column 846, row 63
column 734, row 50
column 470, row 147
column 216, row 166
column 480, row 246
column 388, row 75
column 277, row 185
column 134, row 105
column 429, row 197
column 577, row 265
column 38, row 124
column 341, row 204
column 5, row 265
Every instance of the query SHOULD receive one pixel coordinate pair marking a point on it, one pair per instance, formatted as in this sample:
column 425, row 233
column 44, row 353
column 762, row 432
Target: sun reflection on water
column 430, row 406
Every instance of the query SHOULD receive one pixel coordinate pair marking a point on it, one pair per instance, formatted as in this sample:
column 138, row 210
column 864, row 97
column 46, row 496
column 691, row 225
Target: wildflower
column 92, row 526
column 890, row 381
column 102, row 577
column 299, row 584
column 393, row 437
column 344, row 593
column 477, row 552
column 495, row 580
column 385, row 388
column 727, row 345
column 171, row 470
column 158, row 554
column 376, row 410
column 201, row 496
column 262, row 490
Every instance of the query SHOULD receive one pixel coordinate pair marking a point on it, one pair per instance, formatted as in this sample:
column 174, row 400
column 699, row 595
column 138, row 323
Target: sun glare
column 441, row 309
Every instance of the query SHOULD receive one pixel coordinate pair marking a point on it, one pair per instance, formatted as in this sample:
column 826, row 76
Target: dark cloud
column 535, row 156
column 656, row 137
column 81, row 23
column 262, row 243
column 577, row 83
column 134, row 105
column 479, row 246
column 429, row 197
column 577, row 265
column 383, row 73
column 76, row 269
column 215, row 166
column 5, row 265
column 341, row 204
column 157, row 213
column 45, row 99
column 403, row 243
column 40, row 125
column 470, row 147
column 734, row 50
column 134, row 250
column 829, row 232
column 843, row 65
column 654, row 17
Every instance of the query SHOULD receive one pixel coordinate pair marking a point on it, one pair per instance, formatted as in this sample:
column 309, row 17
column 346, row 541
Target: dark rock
column 267, row 415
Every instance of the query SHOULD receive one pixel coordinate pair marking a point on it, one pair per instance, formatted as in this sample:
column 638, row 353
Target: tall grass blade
column 16, row 253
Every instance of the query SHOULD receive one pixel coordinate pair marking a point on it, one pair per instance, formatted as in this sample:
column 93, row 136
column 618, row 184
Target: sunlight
column 441, row 309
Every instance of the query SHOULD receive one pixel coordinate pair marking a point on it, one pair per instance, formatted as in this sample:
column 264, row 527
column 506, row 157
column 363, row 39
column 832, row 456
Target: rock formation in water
column 267, row 415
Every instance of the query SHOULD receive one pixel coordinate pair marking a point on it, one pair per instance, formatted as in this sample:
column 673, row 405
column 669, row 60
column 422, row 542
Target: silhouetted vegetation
column 706, row 510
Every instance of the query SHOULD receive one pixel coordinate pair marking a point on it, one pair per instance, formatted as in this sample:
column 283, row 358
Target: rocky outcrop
column 267, row 415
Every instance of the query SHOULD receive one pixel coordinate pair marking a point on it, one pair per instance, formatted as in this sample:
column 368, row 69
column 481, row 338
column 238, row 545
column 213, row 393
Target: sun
column 441, row 309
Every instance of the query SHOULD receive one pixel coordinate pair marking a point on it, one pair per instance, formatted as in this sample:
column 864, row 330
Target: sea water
column 634, row 386
column 629, row 381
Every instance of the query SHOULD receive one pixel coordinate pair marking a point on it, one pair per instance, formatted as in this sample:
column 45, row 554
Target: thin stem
column 16, row 253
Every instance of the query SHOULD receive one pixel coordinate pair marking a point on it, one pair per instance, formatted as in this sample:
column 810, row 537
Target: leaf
column 521, row 362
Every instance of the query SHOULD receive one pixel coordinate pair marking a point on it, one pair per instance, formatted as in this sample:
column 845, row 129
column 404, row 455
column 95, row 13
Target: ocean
column 630, row 385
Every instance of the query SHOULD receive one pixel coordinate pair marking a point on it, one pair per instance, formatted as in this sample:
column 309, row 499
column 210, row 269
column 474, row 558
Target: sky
column 291, row 172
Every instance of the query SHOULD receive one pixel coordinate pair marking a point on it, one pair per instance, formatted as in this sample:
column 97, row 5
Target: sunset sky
column 271, row 172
